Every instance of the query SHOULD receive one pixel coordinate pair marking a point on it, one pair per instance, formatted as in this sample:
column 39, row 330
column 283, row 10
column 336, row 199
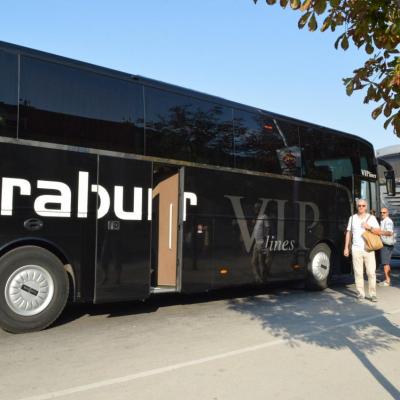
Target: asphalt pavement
column 271, row 343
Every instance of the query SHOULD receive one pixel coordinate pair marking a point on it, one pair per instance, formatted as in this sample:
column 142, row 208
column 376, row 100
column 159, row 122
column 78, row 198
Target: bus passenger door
column 165, row 227
column 366, row 188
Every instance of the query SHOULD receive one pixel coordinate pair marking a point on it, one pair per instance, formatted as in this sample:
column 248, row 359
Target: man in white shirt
column 357, row 225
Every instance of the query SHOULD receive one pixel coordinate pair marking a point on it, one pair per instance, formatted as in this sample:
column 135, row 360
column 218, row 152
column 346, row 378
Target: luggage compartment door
column 123, row 229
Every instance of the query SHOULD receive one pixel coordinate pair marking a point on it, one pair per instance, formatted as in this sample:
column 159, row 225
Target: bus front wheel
column 33, row 289
column 319, row 267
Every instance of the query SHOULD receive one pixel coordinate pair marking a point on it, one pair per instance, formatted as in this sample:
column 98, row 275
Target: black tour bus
column 115, row 187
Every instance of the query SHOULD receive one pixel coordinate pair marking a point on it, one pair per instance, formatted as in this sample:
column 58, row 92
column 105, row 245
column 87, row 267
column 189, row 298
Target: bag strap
column 351, row 229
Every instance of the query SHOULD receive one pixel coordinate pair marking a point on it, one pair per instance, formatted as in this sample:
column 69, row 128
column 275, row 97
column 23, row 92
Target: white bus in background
column 390, row 155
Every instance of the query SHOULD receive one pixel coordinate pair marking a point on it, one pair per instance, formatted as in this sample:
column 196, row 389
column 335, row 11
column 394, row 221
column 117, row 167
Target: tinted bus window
column 184, row 128
column 8, row 94
column 257, row 140
column 289, row 155
column 367, row 159
column 328, row 156
column 63, row 104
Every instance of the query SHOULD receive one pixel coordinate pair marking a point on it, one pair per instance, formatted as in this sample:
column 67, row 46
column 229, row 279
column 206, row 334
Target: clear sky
column 252, row 54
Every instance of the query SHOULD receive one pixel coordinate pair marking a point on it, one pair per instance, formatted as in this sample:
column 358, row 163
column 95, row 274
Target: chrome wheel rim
column 320, row 266
column 29, row 290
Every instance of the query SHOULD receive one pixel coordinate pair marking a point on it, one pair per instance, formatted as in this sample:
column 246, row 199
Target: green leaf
column 388, row 121
column 369, row 48
column 378, row 96
column 375, row 114
column 312, row 23
column 349, row 88
column 295, row 4
column 320, row 6
column 396, row 124
column 338, row 40
column 394, row 29
column 284, row 3
column 326, row 24
column 371, row 93
column 359, row 86
column 306, row 5
column 303, row 20
column 271, row 2
column 345, row 43
column 359, row 43
column 334, row 3
column 387, row 110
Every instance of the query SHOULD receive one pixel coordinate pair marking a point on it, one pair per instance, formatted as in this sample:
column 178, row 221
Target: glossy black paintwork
column 123, row 254
column 66, row 102
column 73, row 237
column 220, row 243
column 67, row 105
column 8, row 94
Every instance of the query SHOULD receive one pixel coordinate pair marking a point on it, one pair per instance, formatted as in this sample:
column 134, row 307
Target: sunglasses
column 361, row 205
column 383, row 212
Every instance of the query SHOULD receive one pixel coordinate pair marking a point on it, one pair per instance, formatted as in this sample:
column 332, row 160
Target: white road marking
column 173, row 367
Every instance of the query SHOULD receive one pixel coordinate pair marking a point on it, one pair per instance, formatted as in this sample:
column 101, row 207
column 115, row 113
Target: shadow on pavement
column 363, row 328
column 334, row 319
column 153, row 303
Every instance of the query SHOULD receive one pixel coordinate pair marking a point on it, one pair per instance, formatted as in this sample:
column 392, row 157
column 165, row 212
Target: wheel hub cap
column 320, row 266
column 29, row 290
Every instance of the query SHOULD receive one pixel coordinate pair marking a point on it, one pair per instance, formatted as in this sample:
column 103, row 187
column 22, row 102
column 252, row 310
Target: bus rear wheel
column 319, row 267
column 33, row 289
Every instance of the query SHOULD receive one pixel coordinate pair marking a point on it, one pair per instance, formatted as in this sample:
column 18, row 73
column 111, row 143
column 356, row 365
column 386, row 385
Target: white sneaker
column 384, row 284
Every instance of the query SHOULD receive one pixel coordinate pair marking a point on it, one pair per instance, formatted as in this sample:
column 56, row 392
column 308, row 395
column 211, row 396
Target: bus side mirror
column 390, row 183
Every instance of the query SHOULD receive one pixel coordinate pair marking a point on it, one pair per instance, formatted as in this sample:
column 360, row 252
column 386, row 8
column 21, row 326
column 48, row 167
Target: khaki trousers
column 367, row 258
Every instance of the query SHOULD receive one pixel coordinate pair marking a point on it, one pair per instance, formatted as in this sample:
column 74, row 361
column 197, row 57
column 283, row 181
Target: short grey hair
column 363, row 200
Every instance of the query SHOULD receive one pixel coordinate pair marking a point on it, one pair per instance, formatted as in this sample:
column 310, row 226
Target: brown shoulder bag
column 372, row 241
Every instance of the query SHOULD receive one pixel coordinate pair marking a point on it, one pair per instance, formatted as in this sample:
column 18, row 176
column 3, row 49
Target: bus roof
column 388, row 150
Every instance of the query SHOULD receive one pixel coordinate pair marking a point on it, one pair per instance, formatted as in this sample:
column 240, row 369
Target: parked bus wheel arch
column 319, row 267
column 52, row 248
column 34, row 289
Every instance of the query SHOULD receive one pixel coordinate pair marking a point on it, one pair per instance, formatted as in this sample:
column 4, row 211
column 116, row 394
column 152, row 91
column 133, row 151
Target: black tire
column 319, row 267
column 33, row 289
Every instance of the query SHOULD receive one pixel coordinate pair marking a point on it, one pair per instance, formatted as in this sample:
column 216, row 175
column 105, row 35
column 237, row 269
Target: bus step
column 163, row 289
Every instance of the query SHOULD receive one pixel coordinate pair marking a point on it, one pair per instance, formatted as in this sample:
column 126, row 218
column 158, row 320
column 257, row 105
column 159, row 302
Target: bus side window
column 186, row 128
column 69, row 105
column 290, row 154
column 256, row 142
column 8, row 94
column 326, row 156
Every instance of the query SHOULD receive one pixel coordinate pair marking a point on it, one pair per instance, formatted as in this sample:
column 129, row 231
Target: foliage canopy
column 373, row 25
